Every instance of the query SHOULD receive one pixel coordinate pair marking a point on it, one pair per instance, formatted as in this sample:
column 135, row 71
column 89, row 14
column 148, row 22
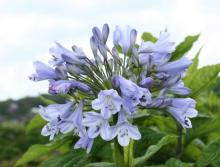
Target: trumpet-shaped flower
column 108, row 101
column 62, row 55
column 97, row 125
column 125, row 131
column 64, row 86
column 156, row 53
column 131, row 93
column 57, row 116
column 162, row 45
column 182, row 109
column 43, row 72
column 84, row 142
column 125, row 37
column 175, row 67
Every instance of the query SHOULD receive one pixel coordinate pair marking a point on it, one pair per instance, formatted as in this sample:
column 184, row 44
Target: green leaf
column 36, row 122
column 100, row 164
column 76, row 158
column 46, row 100
column 210, row 155
column 172, row 162
column 37, row 150
column 184, row 47
column 154, row 149
column 146, row 36
column 202, row 78
column 195, row 63
column 202, row 126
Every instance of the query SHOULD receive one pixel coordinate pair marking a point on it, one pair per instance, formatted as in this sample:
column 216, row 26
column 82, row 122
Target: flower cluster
column 108, row 90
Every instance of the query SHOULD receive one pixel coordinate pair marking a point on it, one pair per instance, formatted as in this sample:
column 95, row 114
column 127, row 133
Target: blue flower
column 175, row 67
column 163, row 45
column 156, row 53
column 125, row 37
column 146, row 82
column 124, row 130
column 175, row 85
column 131, row 93
column 62, row 55
column 97, row 125
column 160, row 102
column 43, row 72
column 84, row 142
column 182, row 109
column 64, row 86
column 57, row 116
column 99, row 39
column 108, row 101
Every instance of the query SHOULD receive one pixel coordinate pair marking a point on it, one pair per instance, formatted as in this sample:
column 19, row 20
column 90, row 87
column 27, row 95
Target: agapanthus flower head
column 111, row 88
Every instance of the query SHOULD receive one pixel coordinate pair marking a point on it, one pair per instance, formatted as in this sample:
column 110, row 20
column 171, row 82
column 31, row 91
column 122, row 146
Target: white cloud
column 17, row 29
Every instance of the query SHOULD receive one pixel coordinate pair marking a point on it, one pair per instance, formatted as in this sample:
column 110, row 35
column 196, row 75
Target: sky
column 28, row 29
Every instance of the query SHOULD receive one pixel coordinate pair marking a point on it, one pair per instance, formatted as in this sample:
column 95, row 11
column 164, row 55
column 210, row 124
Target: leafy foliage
column 146, row 36
column 184, row 47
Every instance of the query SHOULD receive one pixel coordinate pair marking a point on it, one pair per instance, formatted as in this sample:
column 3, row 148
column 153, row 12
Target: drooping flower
column 84, row 142
column 182, row 109
column 57, row 116
column 125, row 37
column 43, row 72
column 108, row 101
column 125, row 131
column 97, row 125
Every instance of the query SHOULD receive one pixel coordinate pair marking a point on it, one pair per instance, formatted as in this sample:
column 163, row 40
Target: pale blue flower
column 160, row 102
column 43, row 72
column 131, row 93
column 146, row 82
column 182, row 109
column 60, row 87
column 156, row 54
column 64, row 86
column 99, row 39
column 62, row 55
column 97, row 125
column 74, row 69
column 174, row 84
column 175, row 67
column 125, row 131
column 84, row 142
column 57, row 115
column 108, row 101
column 125, row 37
column 162, row 45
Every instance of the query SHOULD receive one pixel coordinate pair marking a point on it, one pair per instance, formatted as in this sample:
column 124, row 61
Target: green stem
column 179, row 146
column 128, row 154
column 119, row 157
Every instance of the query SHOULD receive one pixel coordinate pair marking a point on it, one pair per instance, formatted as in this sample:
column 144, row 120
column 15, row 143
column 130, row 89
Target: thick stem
column 179, row 145
column 128, row 154
column 118, row 155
